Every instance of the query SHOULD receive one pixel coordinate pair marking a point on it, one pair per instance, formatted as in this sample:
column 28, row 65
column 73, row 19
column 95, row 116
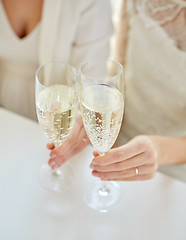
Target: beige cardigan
column 74, row 31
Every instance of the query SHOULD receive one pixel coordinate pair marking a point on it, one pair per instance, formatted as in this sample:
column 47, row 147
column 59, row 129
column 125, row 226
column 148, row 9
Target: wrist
column 170, row 150
column 161, row 154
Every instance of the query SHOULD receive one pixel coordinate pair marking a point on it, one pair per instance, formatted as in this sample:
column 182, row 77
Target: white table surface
column 149, row 210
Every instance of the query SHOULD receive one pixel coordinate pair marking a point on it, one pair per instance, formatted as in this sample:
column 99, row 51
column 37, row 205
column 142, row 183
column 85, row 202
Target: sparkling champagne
column 102, row 112
column 56, row 110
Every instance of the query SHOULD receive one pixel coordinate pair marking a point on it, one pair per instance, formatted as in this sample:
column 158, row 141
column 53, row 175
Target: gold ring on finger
column 136, row 170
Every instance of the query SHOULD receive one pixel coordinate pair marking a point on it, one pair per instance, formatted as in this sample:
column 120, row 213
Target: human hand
column 73, row 144
column 136, row 160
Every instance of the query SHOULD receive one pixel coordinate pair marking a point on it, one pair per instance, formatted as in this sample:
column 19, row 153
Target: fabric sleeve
column 92, row 39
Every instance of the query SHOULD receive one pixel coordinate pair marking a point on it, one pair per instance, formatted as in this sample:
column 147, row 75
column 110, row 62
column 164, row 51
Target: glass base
column 102, row 196
column 57, row 180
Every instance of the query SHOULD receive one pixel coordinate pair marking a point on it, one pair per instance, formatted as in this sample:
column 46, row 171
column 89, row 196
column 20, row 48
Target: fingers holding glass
column 57, row 105
column 102, row 105
column 144, row 172
column 136, row 160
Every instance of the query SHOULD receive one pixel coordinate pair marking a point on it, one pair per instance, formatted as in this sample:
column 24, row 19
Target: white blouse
column 18, row 63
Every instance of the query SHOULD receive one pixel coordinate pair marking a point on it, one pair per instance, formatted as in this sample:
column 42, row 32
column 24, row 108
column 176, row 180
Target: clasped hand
column 136, row 160
column 73, row 144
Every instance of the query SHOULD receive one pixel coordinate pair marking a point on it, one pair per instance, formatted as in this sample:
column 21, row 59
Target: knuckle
column 143, row 142
column 124, row 174
column 152, row 155
column 118, row 166
column 154, row 167
column 151, row 169
column 53, row 154
column 60, row 160
column 117, row 155
column 103, row 175
column 98, row 168
column 148, row 143
column 49, row 161
column 151, row 175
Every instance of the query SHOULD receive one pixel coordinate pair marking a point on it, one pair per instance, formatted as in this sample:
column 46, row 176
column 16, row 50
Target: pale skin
column 23, row 15
column 143, row 152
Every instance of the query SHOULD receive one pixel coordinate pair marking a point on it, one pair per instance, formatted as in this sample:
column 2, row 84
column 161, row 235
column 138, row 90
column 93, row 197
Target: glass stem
column 103, row 190
column 56, row 172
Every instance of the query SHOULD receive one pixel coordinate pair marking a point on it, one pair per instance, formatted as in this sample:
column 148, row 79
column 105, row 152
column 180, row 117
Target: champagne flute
column 101, row 95
column 56, row 105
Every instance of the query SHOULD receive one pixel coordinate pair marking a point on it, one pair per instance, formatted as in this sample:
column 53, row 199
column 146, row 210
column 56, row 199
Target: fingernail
column 94, row 162
column 96, row 174
column 52, row 163
column 55, row 166
column 53, row 155
column 91, row 166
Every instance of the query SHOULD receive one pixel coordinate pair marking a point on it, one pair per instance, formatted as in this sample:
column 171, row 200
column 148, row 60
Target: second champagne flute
column 57, row 104
column 101, row 92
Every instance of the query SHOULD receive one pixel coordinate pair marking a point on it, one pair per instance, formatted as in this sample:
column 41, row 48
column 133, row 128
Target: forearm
column 171, row 150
